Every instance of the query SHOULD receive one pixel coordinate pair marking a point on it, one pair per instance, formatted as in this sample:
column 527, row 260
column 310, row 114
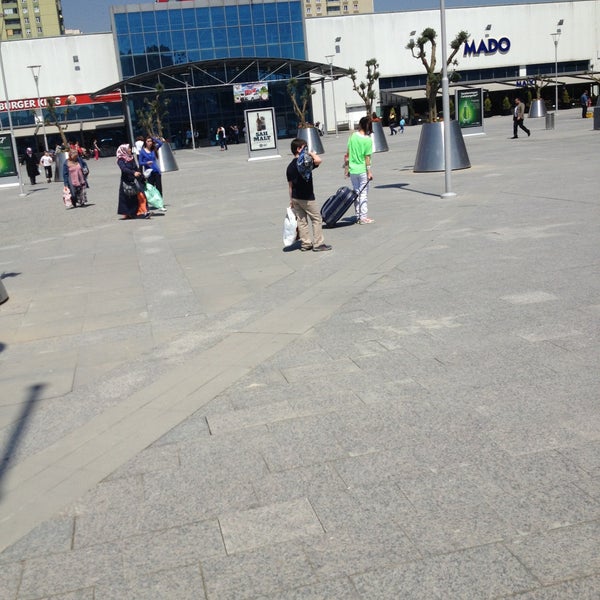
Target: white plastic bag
column 289, row 228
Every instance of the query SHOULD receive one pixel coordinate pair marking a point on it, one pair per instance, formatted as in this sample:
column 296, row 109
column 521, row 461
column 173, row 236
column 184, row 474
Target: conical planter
column 378, row 136
column 166, row 160
column 537, row 109
column 430, row 152
column 312, row 137
column 3, row 293
column 60, row 158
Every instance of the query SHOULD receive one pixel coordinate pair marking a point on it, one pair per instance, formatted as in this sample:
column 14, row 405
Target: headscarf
column 122, row 153
column 29, row 151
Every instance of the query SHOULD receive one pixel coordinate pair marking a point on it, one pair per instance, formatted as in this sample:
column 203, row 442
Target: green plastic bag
column 154, row 198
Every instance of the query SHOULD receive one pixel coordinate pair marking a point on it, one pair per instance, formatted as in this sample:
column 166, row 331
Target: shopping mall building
column 210, row 54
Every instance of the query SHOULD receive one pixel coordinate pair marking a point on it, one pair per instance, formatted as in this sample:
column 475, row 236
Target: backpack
column 305, row 164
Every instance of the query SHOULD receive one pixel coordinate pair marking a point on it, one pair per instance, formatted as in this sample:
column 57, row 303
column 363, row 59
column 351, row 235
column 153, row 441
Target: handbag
column 290, row 223
column 129, row 189
column 68, row 202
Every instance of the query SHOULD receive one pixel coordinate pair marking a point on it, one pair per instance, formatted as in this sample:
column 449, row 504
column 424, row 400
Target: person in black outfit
column 302, row 196
column 31, row 163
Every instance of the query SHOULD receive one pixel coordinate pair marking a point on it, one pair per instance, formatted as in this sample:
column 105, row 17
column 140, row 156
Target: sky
column 91, row 16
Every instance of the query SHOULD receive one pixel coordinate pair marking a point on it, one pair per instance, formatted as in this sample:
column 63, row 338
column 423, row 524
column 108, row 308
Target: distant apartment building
column 332, row 8
column 27, row 19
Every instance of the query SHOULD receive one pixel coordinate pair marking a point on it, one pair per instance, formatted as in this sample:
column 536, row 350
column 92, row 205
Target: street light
column 35, row 71
column 556, row 37
column 448, row 193
column 329, row 58
column 10, row 123
column 187, row 94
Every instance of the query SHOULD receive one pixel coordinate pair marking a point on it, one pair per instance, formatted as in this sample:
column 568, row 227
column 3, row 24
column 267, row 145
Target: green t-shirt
column 359, row 146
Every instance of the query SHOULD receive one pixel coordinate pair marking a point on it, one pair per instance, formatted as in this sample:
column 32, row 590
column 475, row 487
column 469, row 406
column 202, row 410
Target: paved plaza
column 187, row 411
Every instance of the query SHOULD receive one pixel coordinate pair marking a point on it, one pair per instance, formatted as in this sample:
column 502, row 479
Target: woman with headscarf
column 74, row 179
column 31, row 164
column 132, row 203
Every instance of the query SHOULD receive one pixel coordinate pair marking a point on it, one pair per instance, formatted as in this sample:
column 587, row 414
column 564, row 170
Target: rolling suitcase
column 336, row 206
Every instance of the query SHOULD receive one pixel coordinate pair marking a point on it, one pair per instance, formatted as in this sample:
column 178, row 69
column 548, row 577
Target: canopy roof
column 226, row 72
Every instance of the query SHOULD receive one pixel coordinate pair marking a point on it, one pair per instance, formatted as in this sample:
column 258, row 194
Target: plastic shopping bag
column 66, row 196
column 289, row 228
column 155, row 200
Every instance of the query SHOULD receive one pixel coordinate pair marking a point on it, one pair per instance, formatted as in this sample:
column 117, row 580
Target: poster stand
column 261, row 136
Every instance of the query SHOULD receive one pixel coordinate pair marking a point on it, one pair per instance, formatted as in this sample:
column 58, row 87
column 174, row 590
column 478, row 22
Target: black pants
column 519, row 123
column 583, row 111
column 155, row 179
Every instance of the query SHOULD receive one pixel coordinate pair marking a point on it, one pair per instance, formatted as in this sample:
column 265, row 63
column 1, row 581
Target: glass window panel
column 245, row 14
column 153, row 61
column 135, row 23
column 205, row 37
column 188, row 16
column 176, row 18
column 178, row 40
column 217, row 15
column 162, row 20
column 260, row 34
column 272, row 35
column 298, row 50
column 203, row 18
column 285, row 33
column 274, row 50
column 248, row 51
column 283, row 11
column 127, row 66
column 207, row 54
column 270, row 13
column 235, row 51
column 140, row 64
column 148, row 23
column 296, row 11
column 124, row 44
column 233, row 36
column 220, row 37
column 193, row 55
column 137, row 43
column 151, row 40
column 164, row 38
column 261, row 51
column 231, row 15
column 258, row 13
column 247, row 36
column 121, row 23
column 191, row 39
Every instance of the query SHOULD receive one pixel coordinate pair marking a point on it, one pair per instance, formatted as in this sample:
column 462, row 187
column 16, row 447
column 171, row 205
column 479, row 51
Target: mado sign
column 491, row 46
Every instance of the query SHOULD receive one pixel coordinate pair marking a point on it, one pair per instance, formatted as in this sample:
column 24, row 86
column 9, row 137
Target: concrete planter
column 166, row 160
column 430, row 152
column 312, row 138
column 537, row 109
column 3, row 293
column 378, row 136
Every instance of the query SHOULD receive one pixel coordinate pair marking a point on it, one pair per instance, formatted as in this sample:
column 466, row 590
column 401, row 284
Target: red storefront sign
column 71, row 100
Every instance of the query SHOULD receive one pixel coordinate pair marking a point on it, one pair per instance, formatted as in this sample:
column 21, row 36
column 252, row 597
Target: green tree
column 300, row 95
column 434, row 77
column 365, row 88
column 53, row 119
column 487, row 105
column 151, row 116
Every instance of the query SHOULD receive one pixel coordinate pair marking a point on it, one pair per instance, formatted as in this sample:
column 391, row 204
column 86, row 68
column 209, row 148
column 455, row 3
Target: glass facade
column 161, row 36
column 165, row 35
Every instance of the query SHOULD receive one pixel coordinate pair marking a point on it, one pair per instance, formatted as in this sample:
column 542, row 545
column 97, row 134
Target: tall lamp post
column 35, row 71
column 448, row 193
column 556, row 37
column 329, row 58
column 187, row 94
column 10, row 123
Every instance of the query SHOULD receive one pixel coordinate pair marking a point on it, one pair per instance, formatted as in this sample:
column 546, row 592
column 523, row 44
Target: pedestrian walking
column 46, row 163
column 360, row 148
column 518, row 116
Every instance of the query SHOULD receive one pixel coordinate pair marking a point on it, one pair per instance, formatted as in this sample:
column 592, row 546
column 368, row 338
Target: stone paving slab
column 413, row 415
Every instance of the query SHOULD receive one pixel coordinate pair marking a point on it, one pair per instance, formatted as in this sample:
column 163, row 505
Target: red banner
column 70, row 100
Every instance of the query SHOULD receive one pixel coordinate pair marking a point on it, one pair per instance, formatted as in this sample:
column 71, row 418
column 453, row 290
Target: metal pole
column 10, row 123
column 448, row 193
column 36, row 76
column 325, row 127
column 187, row 94
column 556, row 36
column 333, row 95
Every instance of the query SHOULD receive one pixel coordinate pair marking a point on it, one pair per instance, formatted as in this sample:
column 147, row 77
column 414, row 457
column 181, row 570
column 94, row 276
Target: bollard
column 3, row 293
column 596, row 117
column 550, row 120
